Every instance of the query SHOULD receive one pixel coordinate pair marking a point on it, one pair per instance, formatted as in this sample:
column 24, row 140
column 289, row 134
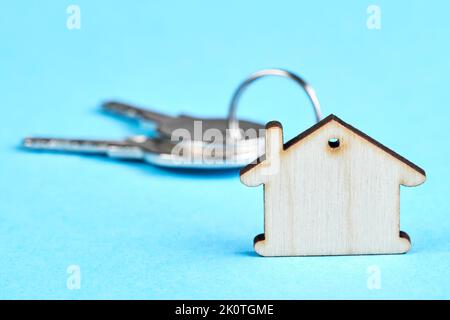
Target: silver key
column 157, row 151
column 166, row 125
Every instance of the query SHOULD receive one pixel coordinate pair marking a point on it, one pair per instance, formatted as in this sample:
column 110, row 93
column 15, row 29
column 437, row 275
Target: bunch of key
column 181, row 141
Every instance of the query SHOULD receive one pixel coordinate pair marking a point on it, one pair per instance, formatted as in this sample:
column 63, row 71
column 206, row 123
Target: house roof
column 320, row 124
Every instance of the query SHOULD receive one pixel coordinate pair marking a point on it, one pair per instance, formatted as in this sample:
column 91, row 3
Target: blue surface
column 138, row 231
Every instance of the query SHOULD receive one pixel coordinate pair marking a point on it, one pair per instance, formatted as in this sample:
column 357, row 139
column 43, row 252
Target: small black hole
column 334, row 143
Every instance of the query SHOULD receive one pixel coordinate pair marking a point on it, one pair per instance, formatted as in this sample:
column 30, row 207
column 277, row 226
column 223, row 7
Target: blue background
column 138, row 231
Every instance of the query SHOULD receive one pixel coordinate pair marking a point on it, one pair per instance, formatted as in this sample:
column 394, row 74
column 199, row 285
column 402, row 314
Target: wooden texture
column 332, row 190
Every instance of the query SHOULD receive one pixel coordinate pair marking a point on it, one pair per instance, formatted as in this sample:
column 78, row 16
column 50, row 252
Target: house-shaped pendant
column 332, row 190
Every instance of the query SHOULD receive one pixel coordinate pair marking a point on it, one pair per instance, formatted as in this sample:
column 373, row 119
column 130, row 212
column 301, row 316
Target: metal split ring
column 232, row 120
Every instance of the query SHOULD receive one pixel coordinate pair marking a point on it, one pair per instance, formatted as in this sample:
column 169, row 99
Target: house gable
column 251, row 175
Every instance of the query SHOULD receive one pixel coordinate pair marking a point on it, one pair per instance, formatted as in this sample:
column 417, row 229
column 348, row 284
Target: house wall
column 325, row 201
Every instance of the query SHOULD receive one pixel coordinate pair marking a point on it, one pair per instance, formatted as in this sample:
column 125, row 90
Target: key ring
column 233, row 123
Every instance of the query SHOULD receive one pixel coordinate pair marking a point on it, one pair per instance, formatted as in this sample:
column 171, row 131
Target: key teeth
column 32, row 143
column 122, row 109
column 111, row 106
column 134, row 112
column 26, row 143
column 38, row 143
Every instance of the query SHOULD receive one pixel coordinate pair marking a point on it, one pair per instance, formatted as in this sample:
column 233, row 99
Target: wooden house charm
column 332, row 190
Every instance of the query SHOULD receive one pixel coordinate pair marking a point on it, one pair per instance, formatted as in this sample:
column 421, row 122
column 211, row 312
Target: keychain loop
column 232, row 120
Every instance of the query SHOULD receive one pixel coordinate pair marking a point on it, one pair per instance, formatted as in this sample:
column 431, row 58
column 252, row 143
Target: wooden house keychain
column 331, row 190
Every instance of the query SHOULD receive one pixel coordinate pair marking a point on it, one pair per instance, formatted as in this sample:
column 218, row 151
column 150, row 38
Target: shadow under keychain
column 331, row 190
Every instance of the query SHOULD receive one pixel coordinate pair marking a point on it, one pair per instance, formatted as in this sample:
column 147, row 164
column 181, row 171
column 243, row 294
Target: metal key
column 166, row 125
column 162, row 152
